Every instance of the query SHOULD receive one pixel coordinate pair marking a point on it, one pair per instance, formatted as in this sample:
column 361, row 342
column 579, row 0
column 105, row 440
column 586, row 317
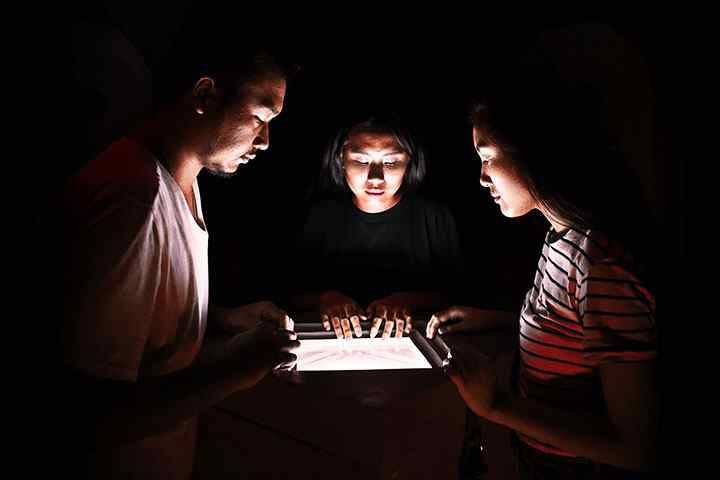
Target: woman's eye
column 486, row 153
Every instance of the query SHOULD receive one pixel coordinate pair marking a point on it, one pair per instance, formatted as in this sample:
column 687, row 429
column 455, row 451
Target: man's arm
column 114, row 413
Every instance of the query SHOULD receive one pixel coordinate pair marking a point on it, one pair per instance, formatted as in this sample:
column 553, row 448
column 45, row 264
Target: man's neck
column 168, row 143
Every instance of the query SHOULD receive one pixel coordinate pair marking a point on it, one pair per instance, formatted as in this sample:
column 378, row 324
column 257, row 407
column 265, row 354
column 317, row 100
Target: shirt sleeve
column 618, row 315
column 446, row 245
column 113, row 276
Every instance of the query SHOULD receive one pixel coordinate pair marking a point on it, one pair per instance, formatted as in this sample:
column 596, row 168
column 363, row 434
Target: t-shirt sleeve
column 113, row 276
column 618, row 315
column 446, row 246
column 307, row 265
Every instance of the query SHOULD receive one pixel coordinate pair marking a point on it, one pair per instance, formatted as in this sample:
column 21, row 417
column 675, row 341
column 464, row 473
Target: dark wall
column 427, row 69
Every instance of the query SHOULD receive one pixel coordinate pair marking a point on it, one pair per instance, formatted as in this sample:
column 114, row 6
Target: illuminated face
column 500, row 175
column 243, row 129
column 374, row 165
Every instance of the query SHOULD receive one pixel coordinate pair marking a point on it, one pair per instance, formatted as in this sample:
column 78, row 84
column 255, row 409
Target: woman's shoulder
column 327, row 208
column 595, row 250
column 431, row 208
column 426, row 202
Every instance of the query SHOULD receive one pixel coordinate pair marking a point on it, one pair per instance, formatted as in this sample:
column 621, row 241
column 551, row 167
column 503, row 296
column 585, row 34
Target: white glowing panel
column 359, row 354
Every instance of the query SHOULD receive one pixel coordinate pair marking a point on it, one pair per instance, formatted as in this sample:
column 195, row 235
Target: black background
column 427, row 65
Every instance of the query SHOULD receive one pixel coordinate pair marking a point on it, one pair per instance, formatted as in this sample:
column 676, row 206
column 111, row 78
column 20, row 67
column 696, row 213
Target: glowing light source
column 359, row 354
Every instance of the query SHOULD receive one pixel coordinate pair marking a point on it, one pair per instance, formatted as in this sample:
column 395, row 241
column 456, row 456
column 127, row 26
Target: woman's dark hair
column 560, row 142
column 332, row 176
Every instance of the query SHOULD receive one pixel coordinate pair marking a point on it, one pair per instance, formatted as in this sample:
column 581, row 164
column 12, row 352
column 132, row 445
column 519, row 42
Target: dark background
column 425, row 65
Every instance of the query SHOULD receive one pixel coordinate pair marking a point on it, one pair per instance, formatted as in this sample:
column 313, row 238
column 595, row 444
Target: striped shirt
column 584, row 309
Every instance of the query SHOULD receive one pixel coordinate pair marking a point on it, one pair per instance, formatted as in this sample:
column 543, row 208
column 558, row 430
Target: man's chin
column 223, row 171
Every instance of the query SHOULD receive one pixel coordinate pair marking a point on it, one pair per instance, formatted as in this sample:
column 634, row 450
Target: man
column 136, row 296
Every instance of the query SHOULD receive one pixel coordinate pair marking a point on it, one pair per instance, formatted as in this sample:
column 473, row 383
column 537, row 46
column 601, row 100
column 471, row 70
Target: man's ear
column 204, row 95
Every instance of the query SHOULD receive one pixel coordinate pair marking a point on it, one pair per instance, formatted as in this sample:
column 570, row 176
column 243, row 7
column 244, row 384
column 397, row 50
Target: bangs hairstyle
column 332, row 176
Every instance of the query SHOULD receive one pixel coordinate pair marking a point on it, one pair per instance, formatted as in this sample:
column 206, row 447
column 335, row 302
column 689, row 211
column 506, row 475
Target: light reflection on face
column 500, row 176
column 243, row 129
column 374, row 164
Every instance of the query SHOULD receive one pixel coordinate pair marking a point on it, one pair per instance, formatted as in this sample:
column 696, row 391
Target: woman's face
column 374, row 164
column 499, row 174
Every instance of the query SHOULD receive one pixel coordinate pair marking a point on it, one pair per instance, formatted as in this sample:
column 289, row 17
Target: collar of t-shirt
column 388, row 216
column 554, row 236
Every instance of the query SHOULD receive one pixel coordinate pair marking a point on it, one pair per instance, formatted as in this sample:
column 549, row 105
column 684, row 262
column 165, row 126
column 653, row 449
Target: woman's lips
column 246, row 158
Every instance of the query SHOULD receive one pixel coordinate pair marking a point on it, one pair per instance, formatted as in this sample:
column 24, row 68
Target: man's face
column 243, row 127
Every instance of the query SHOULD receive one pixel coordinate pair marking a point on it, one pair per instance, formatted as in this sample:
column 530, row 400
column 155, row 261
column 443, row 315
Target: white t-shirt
column 137, row 296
